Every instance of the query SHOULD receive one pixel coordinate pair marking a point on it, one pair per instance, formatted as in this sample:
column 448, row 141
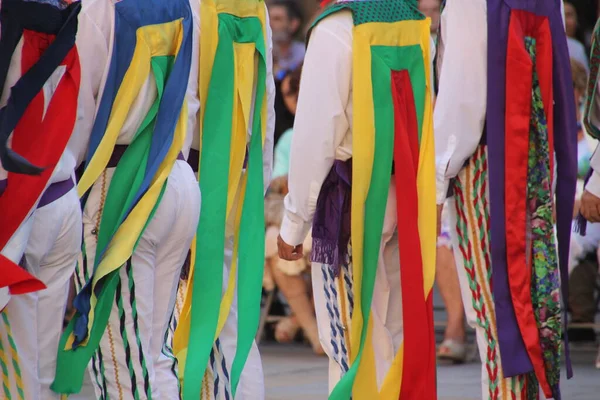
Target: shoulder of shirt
column 338, row 25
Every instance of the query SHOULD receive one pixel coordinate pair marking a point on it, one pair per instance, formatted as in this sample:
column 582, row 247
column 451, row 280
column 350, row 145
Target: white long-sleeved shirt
column 323, row 123
column 194, row 103
column 65, row 167
column 460, row 108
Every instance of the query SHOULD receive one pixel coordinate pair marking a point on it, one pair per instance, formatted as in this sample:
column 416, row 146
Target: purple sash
column 515, row 360
column 54, row 192
column 331, row 223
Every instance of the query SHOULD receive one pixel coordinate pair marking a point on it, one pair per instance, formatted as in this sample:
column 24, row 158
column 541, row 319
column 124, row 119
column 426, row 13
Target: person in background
column 584, row 261
column 288, row 275
column 453, row 346
column 431, row 9
column 286, row 20
column 576, row 48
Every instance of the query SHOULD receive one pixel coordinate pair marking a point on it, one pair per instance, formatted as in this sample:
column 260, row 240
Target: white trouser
column 32, row 323
column 251, row 385
column 334, row 299
column 133, row 360
column 474, row 278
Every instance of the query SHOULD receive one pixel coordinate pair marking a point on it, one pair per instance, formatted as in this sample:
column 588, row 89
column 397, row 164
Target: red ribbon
column 41, row 140
column 418, row 374
column 519, row 71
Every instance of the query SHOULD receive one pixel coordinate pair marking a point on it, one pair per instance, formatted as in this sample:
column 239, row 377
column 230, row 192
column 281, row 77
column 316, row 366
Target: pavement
column 294, row 373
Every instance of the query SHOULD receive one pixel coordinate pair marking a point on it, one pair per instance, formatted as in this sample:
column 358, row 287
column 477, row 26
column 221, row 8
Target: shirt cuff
column 593, row 185
column 293, row 231
column 442, row 191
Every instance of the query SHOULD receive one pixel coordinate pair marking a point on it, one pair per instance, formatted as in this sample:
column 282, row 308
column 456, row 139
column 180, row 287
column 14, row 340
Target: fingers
column 288, row 252
column 592, row 213
column 590, row 207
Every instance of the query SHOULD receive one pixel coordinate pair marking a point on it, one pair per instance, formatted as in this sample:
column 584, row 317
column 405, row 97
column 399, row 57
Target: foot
column 286, row 330
column 452, row 350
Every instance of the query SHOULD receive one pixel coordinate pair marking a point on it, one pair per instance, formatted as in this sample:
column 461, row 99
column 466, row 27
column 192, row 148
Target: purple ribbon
column 515, row 360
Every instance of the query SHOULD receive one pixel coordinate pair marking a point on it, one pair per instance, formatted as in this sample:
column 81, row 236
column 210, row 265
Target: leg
column 328, row 334
column 471, row 251
column 171, row 255
column 295, row 291
column 35, row 319
column 582, row 302
column 126, row 365
column 453, row 347
column 17, row 367
column 251, row 385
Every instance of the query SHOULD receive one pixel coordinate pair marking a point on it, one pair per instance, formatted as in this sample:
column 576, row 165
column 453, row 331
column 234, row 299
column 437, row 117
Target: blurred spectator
column 286, row 20
column 587, row 11
column 453, row 347
column 288, row 275
column 584, row 150
column 431, row 9
column 290, row 87
column 584, row 258
column 576, row 48
column 446, row 277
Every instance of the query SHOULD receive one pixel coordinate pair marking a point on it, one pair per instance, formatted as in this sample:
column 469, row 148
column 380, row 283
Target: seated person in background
column 288, row 275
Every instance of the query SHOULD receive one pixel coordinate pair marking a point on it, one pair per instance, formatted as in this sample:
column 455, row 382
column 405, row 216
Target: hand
column 279, row 185
column 440, row 208
column 288, row 252
column 590, row 207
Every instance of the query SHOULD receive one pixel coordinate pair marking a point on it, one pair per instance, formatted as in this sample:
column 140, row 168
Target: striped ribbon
column 232, row 90
column 153, row 36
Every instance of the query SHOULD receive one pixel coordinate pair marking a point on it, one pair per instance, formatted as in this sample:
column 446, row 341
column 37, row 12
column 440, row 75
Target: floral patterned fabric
column 545, row 282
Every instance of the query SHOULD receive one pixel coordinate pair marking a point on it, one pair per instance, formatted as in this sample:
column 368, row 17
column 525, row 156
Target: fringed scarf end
column 327, row 252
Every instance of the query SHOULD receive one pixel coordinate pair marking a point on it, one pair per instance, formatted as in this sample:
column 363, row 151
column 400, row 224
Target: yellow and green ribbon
column 232, row 93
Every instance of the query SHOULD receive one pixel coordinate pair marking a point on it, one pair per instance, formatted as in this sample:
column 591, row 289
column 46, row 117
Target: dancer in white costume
column 251, row 385
column 133, row 359
column 48, row 237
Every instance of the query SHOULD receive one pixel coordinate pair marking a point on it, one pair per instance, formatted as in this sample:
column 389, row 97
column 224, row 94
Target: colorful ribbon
column 508, row 126
column 232, row 46
column 150, row 35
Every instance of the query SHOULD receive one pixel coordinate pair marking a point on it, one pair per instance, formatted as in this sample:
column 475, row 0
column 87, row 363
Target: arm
column 94, row 37
column 270, row 99
column 192, row 96
column 460, row 109
column 321, row 123
column 590, row 200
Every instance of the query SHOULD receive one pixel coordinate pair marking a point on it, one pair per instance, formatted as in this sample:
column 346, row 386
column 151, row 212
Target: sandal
column 451, row 350
column 598, row 360
column 286, row 330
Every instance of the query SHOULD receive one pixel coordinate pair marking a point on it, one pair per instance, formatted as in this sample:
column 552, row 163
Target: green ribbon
column 210, row 239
